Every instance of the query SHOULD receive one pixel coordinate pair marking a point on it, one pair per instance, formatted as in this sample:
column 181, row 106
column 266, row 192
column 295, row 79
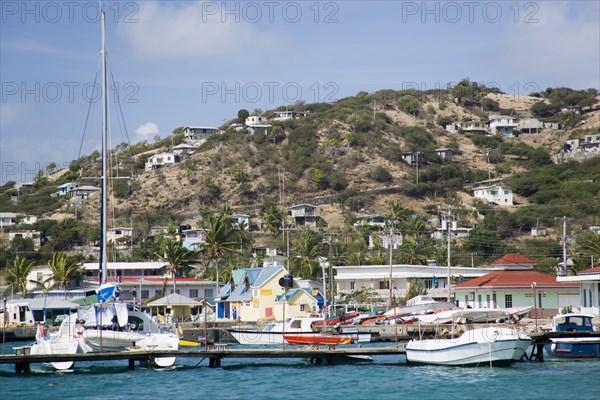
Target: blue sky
column 197, row 63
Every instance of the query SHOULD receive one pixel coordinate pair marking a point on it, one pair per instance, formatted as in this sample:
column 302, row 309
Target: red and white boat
column 317, row 339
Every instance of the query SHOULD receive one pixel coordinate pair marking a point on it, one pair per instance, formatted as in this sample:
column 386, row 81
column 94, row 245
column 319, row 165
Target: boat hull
column 480, row 347
column 572, row 350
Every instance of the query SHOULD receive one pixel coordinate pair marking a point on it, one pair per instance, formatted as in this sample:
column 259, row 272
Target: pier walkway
column 215, row 355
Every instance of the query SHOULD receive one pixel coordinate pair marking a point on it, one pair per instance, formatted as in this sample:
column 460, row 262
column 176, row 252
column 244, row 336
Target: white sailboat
column 107, row 325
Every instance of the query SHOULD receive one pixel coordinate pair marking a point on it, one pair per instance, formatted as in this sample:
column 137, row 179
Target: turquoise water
column 388, row 377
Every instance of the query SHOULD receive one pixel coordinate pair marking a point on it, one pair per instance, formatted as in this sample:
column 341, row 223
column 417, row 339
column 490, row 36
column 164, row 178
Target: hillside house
column 28, row 219
column 385, row 240
column 160, row 160
column 494, row 194
column 445, row 154
column 305, row 214
column 456, row 232
column 66, row 188
column 197, row 134
column 114, row 234
column 83, row 193
column 289, row 115
column 242, row 219
column 191, row 239
column 184, row 149
column 502, row 125
column 474, row 127
column 255, row 120
column 7, row 219
column 370, row 220
column 414, row 158
column 452, row 128
column 255, row 129
column 538, row 231
column 530, row 125
column 35, row 236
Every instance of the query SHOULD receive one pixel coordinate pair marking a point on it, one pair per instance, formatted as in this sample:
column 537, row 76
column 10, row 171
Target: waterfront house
column 251, row 292
column 494, row 194
column 514, row 286
column 376, row 277
column 295, row 302
column 197, row 134
column 445, row 154
column 176, row 306
column 305, row 214
column 589, row 295
column 502, row 125
column 160, row 160
column 65, row 188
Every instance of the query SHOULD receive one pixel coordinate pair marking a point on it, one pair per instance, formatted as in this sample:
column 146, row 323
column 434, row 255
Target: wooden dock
column 215, row 354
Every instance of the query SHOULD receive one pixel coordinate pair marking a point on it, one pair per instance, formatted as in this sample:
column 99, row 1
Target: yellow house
column 298, row 303
column 251, row 294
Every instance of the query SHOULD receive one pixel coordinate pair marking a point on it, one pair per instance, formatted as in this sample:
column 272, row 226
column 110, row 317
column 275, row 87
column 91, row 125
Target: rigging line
column 120, row 108
column 87, row 117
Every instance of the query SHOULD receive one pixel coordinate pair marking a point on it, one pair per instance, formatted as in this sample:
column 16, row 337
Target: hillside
column 347, row 157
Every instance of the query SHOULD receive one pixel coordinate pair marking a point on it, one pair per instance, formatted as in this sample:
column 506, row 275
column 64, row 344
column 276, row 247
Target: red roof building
column 506, row 288
column 514, row 260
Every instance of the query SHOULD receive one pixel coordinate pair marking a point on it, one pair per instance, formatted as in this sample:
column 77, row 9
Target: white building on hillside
column 494, row 194
column 160, row 160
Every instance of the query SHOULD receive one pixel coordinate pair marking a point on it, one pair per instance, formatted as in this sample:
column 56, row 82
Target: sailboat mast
column 103, row 211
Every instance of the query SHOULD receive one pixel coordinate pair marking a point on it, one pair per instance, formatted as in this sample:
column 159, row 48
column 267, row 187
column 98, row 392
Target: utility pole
column 564, row 269
column 448, row 224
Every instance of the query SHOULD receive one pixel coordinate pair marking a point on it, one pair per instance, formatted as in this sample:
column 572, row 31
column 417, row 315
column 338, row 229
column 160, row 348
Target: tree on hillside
column 242, row 115
column 17, row 276
column 177, row 258
column 307, row 247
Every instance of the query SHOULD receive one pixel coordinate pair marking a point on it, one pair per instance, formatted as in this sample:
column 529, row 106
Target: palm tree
column 413, row 227
column 399, row 213
column 272, row 219
column 307, row 247
column 218, row 241
column 17, row 276
column 64, row 270
column 177, row 258
column 410, row 253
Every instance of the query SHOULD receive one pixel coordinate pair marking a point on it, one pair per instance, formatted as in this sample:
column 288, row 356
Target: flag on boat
column 107, row 291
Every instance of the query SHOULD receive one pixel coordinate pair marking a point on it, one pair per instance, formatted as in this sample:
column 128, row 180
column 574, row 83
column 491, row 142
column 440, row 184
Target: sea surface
column 387, row 377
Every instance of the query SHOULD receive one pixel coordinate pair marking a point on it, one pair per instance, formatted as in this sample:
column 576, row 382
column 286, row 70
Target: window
column 488, row 299
column 352, row 285
column 302, row 307
column 508, row 300
column 145, row 294
column 479, row 301
column 208, row 293
column 193, row 293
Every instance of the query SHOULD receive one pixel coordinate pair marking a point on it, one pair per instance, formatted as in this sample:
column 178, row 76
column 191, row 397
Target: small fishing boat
column 317, row 339
column 477, row 347
column 573, row 347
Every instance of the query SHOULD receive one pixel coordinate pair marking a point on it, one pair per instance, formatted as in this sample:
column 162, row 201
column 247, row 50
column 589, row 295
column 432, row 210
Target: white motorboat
column 478, row 347
column 472, row 315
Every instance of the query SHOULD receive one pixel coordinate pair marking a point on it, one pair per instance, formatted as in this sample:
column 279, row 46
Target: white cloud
column 186, row 30
column 147, row 130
